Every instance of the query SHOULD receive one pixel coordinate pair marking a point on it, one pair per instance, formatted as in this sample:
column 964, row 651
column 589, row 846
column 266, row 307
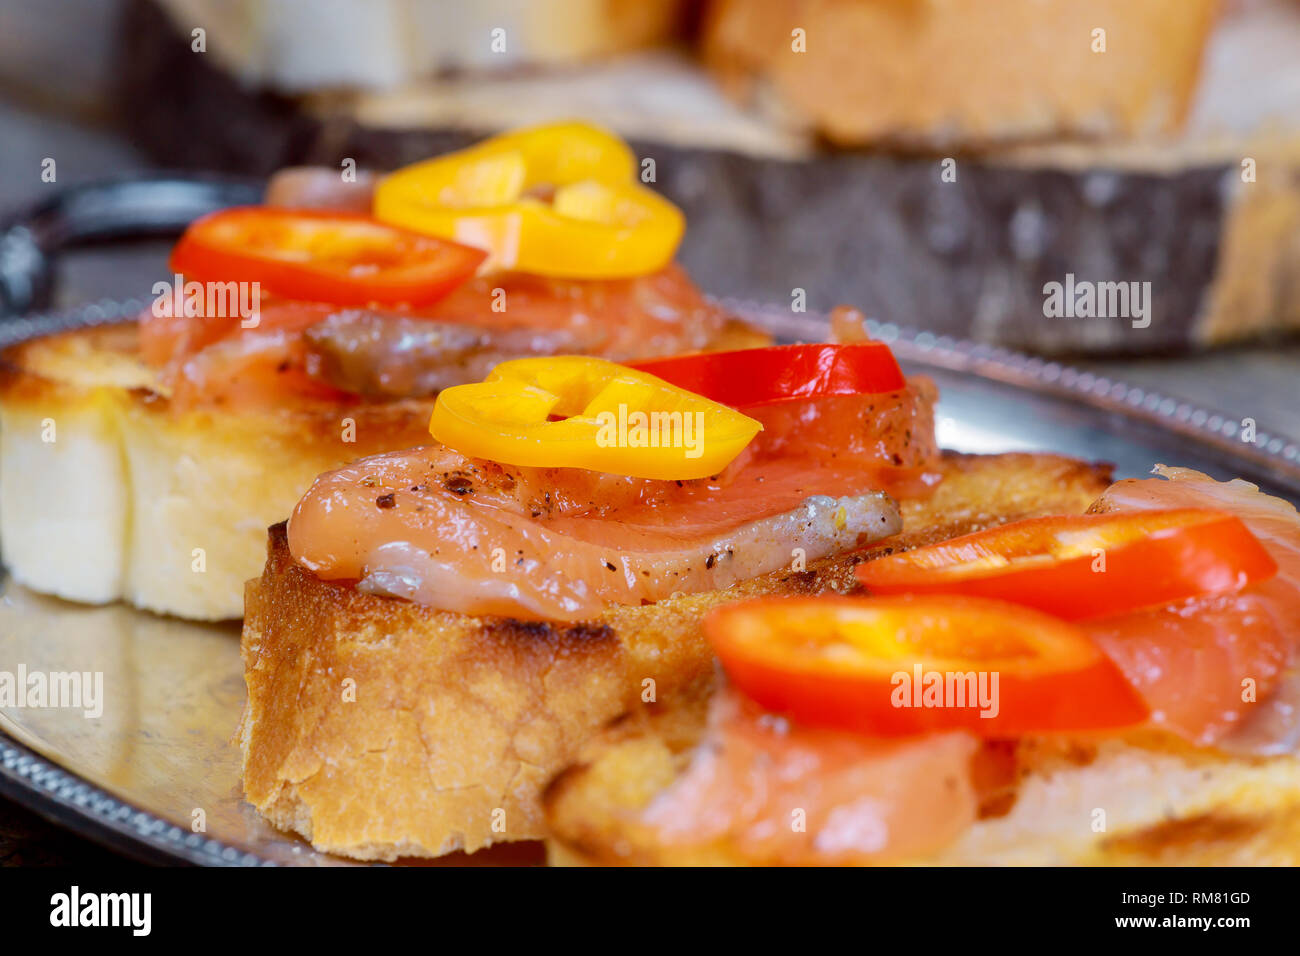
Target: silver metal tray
column 161, row 754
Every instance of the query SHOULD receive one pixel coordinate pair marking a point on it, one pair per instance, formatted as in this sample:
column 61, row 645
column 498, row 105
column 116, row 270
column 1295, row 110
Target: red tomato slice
column 871, row 666
column 782, row 373
column 1084, row 566
column 323, row 256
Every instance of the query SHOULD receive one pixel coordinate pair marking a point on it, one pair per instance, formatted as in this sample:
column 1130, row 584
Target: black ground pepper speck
column 458, row 485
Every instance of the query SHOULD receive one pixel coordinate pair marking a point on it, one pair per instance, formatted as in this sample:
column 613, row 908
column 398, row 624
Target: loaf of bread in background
column 929, row 73
column 301, row 46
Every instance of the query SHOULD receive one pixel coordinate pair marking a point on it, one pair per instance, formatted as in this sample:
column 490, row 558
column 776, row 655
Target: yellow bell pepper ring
column 558, row 200
column 573, row 411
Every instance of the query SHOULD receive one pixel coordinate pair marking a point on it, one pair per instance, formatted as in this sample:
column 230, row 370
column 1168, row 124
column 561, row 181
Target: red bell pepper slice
column 319, row 256
column 1084, row 566
column 782, row 373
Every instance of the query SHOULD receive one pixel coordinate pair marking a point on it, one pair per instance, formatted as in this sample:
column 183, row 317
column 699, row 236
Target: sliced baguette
column 379, row 729
column 1145, row 800
column 107, row 493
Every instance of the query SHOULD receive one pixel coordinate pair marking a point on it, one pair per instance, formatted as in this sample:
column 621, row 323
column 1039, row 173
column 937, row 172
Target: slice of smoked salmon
column 1216, row 667
column 435, row 527
column 399, row 353
column 779, row 793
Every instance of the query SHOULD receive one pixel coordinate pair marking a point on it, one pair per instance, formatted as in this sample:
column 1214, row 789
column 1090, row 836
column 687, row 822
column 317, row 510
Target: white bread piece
column 62, row 533
column 300, row 46
column 136, row 501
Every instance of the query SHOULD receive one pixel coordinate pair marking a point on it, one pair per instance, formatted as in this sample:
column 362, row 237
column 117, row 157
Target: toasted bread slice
column 1147, row 799
column 1141, row 797
column 378, row 728
column 106, row 492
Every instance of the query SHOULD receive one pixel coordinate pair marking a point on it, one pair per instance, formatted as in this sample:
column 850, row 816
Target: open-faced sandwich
column 440, row 630
column 1118, row 687
column 144, row 460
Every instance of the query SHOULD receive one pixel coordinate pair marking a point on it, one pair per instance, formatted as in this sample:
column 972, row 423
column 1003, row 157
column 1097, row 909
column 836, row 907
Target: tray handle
column 96, row 212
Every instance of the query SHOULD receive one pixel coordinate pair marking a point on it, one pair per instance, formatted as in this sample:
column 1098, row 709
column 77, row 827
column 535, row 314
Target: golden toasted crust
column 108, row 492
column 954, row 72
column 452, row 725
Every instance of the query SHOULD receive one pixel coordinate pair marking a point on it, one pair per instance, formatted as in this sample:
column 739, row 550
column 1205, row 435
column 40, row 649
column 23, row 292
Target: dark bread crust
column 453, row 717
column 456, row 717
